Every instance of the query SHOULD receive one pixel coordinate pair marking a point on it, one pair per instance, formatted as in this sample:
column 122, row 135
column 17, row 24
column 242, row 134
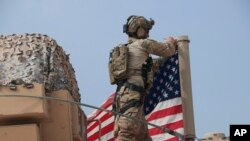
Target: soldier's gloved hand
column 171, row 41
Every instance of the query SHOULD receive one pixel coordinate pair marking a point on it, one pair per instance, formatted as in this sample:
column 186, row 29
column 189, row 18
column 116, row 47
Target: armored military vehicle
column 39, row 94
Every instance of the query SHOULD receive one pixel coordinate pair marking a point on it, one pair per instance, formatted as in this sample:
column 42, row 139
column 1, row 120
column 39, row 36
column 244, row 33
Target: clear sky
column 219, row 31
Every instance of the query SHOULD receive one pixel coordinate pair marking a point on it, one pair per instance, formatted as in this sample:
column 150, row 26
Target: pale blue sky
column 88, row 29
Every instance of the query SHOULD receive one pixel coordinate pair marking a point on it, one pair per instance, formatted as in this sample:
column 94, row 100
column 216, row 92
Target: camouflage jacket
column 139, row 50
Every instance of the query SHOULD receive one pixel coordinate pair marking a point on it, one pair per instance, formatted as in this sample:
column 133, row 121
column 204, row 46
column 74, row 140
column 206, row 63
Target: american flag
column 162, row 107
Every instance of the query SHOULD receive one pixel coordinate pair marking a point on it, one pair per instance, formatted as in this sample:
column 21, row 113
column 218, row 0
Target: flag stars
column 151, row 102
column 176, row 72
column 176, row 62
column 170, row 88
column 154, row 95
column 164, row 74
column 158, row 88
column 162, row 91
column 159, row 98
column 172, row 59
column 173, row 69
column 168, row 66
column 176, row 92
column 176, row 82
column 166, row 84
column 165, row 95
column 170, row 77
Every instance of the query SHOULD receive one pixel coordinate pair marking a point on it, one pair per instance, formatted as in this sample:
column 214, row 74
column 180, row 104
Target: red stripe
column 155, row 115
column 172, row 126
column 104, row 131
column 105, row 105
column 165, row 112
column 102, row 119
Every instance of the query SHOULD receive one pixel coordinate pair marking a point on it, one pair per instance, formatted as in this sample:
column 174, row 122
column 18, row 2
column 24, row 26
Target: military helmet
column 134, row 22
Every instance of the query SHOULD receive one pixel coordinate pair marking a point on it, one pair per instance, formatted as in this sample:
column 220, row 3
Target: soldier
column 130, row 91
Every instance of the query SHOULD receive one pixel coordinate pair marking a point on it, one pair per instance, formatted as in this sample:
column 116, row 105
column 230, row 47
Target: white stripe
column 92, row 114
column 95, row 111
column 100, row 116
column 165, row 136
column 166, row 120
column 103, row 124
column 166, row 104
column 161, row 106
column 107, row 136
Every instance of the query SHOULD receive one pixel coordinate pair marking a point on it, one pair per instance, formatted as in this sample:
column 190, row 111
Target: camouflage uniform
column 133, row 90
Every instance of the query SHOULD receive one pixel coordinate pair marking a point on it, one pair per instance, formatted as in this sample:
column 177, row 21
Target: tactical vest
column 118, row 63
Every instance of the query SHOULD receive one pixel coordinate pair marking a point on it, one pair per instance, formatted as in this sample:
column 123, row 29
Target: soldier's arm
column 158, row 48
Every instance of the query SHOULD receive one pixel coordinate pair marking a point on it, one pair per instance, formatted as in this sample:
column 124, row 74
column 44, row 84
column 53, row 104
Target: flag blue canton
column 165, row 85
